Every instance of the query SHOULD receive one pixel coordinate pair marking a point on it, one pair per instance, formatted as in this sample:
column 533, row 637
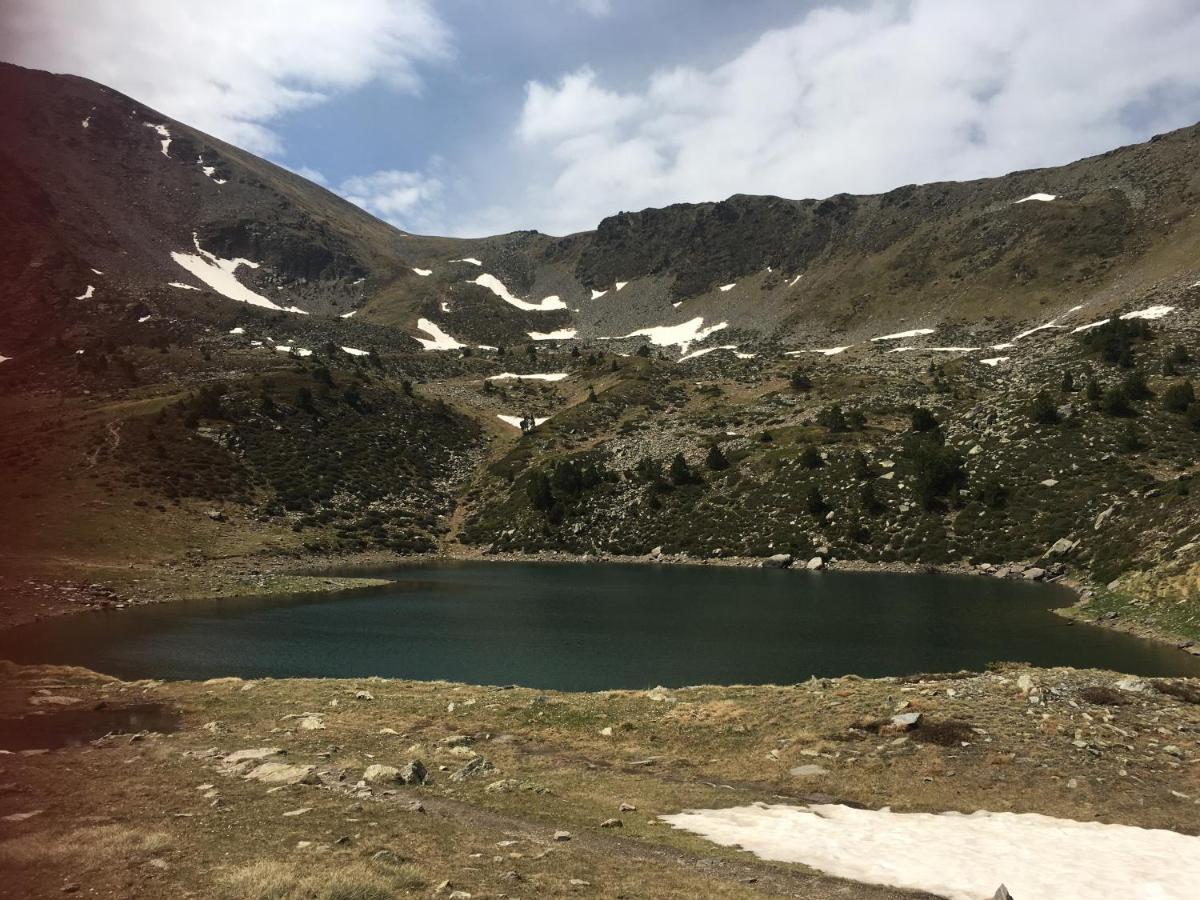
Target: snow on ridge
column 684, row 334
column 515, row 421
column 219, row 275
column 87, row 294
column 1150, row 312
column 424, row 273
column 1044, row 198
column 496, row 286
column 915, row 332
column 563, row 334
column 163, row 133
column 438, row 339
column 596, row 295
column 725, row 288
column 961, row 856
column 468, row 259
column 543, row 376
column 354, row 351
column 994, row 361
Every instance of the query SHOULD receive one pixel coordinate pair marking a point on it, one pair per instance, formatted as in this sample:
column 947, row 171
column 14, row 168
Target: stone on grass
column 808, row 771
column 282, row 773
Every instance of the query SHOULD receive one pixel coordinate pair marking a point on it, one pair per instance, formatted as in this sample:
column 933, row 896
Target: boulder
column 778, row 561
column 377, row 773
column 477, row 766
column 1034, row 573
column 815, row 564
column 256, row 754
column 282, row 773
column 414, row 773
column 1061, row 547
column 808, row 771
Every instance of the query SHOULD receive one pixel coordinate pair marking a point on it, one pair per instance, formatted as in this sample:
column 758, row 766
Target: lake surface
column 591, row 627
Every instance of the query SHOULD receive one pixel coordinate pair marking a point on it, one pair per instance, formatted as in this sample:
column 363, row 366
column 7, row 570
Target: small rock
column 627, row 807
column 377, row 773
column 363, row 695
column 612, row 823
column 562, row 835
column 808, row 771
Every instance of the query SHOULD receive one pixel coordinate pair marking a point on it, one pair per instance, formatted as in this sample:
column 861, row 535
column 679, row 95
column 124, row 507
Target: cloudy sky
column 472, row 117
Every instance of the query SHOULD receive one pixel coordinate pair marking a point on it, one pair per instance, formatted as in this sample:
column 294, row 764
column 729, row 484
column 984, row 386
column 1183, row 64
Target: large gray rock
column 379, row 773
column 816, row 564
column 1061, row 547
column 778, row 561
column 1034, row 573
column 282, row 773
column 414, row 773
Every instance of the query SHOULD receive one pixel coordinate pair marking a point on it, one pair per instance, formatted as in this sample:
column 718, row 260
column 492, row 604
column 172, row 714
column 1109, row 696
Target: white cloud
column 229, row 67
column 406, row 199
column 861, row 100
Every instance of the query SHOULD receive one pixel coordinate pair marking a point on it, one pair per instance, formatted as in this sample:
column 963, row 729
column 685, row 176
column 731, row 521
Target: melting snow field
column 87, row 294
column 596, row 295
column 1150, row 312
column 439, row 339
column 935, row 349
column 994, row 361
column 546, row 376
column 1044, row 198
column 727, row 287
column 684, row 335
column 620, row 284
column 182, row 286
column 962, row 857
column 218, row 274
column 515, row 421
column 354, row 351
column 210, row 171
column 828, row 351
column 468, row 259
column 1090, row 325
column 164, row 134
column 424, row 273
column 496, row 286
column 288, row 348
column 916, row 332
column 563, row 334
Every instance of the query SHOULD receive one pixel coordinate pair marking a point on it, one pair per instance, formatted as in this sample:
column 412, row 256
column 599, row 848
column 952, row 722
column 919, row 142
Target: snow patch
column 1005, row 346
column 727, row 287
column 596, row 295
column 1150, row 312
column 1046, row 327
column 210, row 171
column 496, row 286
column 696, row 353
column 544, row 376
column 961, row 857
column 935, row 349
column 348, row 315
column 468, row 259
column 438, row 339
column 1044, row 198
column 621, row 284
column 87, row 294
column 288, row 348
column 86, row 123
column 515, row 421
column 1090, row 325
column 915, row 332
column 164, row 134
column 792, row 283
column 143, row 319
column 354, row 351
column 218, row 274
column 182, row 286
column 563, row 334
column 684, row 335
column 238, row 330
column 827, row 351
column 424, row 273
column 994, row 361
column 4, row 359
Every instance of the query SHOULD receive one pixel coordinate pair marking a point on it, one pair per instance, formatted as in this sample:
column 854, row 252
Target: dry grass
column 270, row 880
column 109, row 843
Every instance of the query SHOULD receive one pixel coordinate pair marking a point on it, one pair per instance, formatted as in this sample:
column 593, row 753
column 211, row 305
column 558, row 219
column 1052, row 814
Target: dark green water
column 591, row 627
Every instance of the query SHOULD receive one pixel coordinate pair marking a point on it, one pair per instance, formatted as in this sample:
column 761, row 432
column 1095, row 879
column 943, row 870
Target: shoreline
column 274, row 574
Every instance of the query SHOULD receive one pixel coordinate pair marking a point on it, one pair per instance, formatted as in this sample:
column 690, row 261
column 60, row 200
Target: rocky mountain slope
column 209, row 359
